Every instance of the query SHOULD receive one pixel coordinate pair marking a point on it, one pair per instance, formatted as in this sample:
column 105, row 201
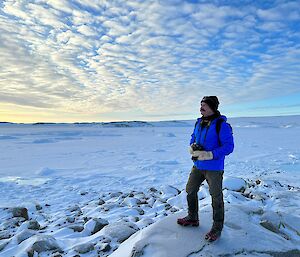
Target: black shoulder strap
column 218, row 125
column 218, row 128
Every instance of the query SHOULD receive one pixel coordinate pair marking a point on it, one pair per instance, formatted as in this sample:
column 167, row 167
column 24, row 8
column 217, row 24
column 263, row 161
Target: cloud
column 145, row 57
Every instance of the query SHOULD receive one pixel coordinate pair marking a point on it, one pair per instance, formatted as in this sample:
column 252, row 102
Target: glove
column 191, row 151
column 196, row 153
column 203, row 155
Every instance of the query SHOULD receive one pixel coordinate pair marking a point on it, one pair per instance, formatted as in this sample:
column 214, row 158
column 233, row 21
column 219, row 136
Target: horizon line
column 149, row 121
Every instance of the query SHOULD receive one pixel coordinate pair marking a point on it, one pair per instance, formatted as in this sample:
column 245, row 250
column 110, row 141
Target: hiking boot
column 213, row 235
column 187, row 221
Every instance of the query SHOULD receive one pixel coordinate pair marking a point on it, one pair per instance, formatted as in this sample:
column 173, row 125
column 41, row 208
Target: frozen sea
column 133, row 175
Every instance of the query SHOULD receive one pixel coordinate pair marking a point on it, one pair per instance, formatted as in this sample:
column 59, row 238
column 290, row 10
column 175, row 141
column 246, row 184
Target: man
column 210, row 142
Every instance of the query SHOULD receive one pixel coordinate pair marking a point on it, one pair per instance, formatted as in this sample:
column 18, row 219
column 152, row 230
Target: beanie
column 211, row 101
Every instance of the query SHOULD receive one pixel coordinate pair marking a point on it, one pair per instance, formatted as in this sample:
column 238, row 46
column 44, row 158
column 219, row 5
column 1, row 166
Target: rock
column 4, row 234
column 74, row 208
column 268, row 225
column 140, row 210
column 56, row 255
column 20, row 212
column 101, row 201
column 234, row 184
column 116, row 194
column 34, row 225
column 109, row 206
column 167, row 206
column 3, row 243
column 105, row 247
column 169, row 191
column 30, row 253
column 23, row 235
column 173, row 209
column 12, row 223
column 76, row 228
column 94, row 225
column 70, row 219
column 131, row 201
column 152, row 189
column 45, row 243
column 145, row 222
column 84, row 248
column 120, row 231
column 38, row 207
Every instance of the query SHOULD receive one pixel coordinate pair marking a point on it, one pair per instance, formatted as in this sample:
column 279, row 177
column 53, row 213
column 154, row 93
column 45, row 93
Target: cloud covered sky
column 96, row 60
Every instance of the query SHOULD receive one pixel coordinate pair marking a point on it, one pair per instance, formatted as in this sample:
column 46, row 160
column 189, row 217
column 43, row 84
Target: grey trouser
column 214, row 180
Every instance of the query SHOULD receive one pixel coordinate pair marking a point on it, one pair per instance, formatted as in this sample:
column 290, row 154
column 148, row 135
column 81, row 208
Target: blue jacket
column 220, row 145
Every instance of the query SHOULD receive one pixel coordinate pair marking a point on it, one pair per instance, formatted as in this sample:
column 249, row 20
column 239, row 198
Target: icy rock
column 167, row 206
column 20, row 212
column 45, row 243
column 105, row 247
column 131, row 201
column 23, row 235
column 76, row 228
column 234, row 184
column 75, row 208
column 274, row 222
column 144, row 222
column 115, row 194
column 101, row 201
column 151, row 201
column 11, row 223
column 4, row 234
column 56, row 255
column 268, row 225
column 84, row 248
column 3, row 243
column 140, row 195
column 140, row 210
column 152, row 189
column 94, row 225
column 70, row 219
column 33, row 224
column 109, row 206
column 173, row 209
column 170, row 191
column 38, row 207
column 121, row 230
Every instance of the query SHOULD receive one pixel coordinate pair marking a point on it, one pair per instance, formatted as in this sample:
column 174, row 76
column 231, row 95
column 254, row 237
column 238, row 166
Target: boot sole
column 186, row 225
column 209, row 239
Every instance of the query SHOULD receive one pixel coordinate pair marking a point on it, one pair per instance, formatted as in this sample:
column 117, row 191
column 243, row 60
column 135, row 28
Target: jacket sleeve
column 226, row 140
column 193, row 139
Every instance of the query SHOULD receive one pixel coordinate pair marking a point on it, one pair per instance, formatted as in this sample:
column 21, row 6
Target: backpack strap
column 218, row 127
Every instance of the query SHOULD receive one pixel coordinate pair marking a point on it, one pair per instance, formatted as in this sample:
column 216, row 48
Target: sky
column 95, row 60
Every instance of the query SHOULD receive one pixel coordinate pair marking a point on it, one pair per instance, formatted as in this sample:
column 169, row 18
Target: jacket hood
column 223, row 117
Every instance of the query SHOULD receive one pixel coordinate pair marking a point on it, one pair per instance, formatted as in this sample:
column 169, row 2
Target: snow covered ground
column 117, row 189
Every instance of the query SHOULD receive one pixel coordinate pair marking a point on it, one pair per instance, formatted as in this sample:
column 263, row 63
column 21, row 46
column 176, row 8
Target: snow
column 117, row 189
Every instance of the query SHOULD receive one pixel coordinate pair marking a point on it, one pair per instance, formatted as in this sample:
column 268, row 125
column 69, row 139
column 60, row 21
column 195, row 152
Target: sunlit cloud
column 133, row 59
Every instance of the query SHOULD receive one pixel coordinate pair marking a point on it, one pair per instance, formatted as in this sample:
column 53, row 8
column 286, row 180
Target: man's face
column 205, row 110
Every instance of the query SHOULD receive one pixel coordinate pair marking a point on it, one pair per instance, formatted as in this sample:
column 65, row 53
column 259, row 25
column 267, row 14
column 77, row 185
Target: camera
column 196, row 147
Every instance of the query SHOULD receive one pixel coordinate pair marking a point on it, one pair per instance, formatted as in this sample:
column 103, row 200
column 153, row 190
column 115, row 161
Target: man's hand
column 203, row 155
column 191, row 151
